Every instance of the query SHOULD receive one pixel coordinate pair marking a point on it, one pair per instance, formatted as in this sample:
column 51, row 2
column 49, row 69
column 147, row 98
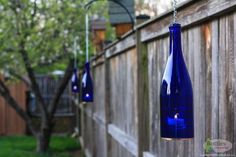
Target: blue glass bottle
column 87, row 85
column 176, row 95
column 75, row 82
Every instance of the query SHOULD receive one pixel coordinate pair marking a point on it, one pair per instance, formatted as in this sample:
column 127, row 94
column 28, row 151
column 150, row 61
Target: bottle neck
column 175, row 42
column 87, row 67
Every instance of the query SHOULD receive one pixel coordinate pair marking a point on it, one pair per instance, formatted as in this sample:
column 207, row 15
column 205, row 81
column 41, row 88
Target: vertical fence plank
column 231, row 81
column 152, row 72
column 2, row 116
column 226, row 123
column 142, row 96
column 11, row 123
column 234, row 110
column 215, row 81
column 207, row 56
column 154, row 112
column 107, row 105
column 222, row 75
column 189, row 145
column 225, row 84
column 199, row 93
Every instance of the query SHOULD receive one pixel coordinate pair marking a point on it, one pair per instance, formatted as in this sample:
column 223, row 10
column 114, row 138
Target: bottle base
column 176, row 139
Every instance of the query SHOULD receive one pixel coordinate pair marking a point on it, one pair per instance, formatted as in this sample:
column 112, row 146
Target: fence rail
column 124, row 120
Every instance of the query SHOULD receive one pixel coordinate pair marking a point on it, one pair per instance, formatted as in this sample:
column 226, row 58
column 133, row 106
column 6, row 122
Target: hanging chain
column 174, row 3
column 75, row 52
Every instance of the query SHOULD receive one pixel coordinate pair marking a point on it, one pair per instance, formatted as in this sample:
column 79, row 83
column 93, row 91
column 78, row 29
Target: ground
column 24, row 146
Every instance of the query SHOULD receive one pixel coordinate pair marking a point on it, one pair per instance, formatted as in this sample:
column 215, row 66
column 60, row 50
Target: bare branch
column 61, row 88
column 4, row 92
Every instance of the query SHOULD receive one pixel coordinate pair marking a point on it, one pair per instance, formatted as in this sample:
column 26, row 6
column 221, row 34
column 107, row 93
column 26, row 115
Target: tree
column 36, row 35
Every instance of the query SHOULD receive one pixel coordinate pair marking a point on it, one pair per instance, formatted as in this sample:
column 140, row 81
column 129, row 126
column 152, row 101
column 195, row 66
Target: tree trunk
column 43, row 141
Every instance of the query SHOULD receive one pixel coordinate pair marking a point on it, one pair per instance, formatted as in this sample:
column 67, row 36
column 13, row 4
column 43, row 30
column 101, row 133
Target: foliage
column 96, row 11
column 37, row 36
column 48, row 29
column 22, row 146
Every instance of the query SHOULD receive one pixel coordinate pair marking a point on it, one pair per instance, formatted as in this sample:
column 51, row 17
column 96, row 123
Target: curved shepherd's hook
column 88, row 5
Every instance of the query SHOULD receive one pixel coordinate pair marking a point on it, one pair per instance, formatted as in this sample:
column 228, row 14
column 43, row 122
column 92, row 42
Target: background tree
column 36, row 36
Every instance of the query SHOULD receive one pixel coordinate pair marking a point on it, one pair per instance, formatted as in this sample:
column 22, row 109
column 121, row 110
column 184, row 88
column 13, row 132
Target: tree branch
column 4, row 92
column 34, row 14
column 29, row 69
column 34, row 83
column 18, row 76
column 62, row 85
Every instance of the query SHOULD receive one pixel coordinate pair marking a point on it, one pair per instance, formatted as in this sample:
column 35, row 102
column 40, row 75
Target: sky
column 155, row 7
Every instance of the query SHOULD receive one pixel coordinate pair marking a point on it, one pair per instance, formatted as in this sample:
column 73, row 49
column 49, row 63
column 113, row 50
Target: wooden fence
column 10, row 121
column 12, row 124
column 124, row 120
column 65, row 113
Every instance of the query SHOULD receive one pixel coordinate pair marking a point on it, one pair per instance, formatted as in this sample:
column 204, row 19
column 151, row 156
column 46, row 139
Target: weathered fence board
column 89, row 140
column 190, row 14
column 99, row 88
column 123, row 139
column 126, row 114
column 234, row 96
column 100, row 140
column 117, row 150
column 215, row 81
column 99, row 110
column 123, row 92
column 10, row 121
column 199, row 84
column 226, row 79
column 142, row 96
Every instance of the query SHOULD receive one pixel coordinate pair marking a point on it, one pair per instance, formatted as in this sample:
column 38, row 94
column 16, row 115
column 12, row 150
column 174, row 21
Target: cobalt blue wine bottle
column 87, row 85
column 75, row 82
column 176, row 95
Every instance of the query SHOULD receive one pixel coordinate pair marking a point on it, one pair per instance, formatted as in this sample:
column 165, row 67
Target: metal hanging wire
column 75, row 52
column 174, row 4
column 87, row 36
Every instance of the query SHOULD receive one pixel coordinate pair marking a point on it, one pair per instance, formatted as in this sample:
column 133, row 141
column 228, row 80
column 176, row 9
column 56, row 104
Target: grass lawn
column 24, row 146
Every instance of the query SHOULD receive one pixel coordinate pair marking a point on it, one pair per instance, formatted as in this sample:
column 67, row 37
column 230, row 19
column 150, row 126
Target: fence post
column 143, row 97
column 107, row 104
